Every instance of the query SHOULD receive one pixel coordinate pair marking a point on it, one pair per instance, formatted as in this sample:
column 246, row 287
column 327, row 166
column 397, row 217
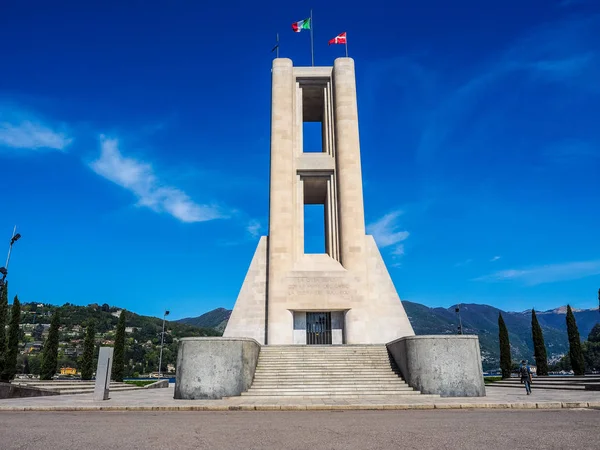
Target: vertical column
column 281, row 195
column 347, row 148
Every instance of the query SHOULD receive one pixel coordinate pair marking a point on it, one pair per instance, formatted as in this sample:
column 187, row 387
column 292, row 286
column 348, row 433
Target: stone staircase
column 327, row 371
column 565, row 383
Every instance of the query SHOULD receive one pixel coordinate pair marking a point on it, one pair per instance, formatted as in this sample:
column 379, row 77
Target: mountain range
column 481, row 320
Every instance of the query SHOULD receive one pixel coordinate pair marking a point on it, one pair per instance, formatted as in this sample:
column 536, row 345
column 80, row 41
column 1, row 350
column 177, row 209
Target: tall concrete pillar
column 350, row 194
column 281, row 196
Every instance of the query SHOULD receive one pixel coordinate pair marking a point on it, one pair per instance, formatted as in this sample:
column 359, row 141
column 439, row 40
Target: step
column 573, row 387
column 324, row 370
column 402, row 387
column 330, row 388
column 387, row 397
column 328, row 383
column 546, row 381
column 348, row 394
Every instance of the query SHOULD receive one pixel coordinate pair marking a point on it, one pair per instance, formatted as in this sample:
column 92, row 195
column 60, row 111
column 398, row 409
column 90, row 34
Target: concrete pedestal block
column 103, row 373
column 449, row 366
column 215, row 367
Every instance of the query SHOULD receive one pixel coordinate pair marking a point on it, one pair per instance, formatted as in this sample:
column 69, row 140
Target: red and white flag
column 339, row 39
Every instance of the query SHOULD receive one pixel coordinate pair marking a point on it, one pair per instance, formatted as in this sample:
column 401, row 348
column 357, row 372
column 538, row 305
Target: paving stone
column 549, row 405
column 530, row 405
column 575, row 404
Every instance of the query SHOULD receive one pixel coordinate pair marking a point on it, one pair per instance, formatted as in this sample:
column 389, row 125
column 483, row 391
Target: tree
column 539, row 347
column 577, row 361
column 594, row 335
column 25, row 366
column 35, row 364
column 87, row 359
column 118, row 366
column 591, row 349
column 3, row 312
column 505, row 363
column 12, row 350
column 50, row 352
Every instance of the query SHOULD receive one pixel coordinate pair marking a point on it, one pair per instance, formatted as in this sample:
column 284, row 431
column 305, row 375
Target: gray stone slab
column 103, row 372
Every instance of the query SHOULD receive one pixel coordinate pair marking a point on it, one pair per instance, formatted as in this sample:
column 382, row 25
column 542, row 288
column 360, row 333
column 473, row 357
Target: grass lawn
column 490, row 380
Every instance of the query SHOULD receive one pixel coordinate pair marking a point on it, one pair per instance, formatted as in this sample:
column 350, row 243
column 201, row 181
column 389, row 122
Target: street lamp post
column 4, row 270
column 162, row 340
column 457, row 310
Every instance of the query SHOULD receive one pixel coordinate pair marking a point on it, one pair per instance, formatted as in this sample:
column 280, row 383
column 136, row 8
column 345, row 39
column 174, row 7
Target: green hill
column 217, row 318
column 143, row 336
column 481, row 320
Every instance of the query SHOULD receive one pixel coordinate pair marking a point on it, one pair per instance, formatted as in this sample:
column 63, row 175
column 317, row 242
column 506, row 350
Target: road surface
column 314, row 430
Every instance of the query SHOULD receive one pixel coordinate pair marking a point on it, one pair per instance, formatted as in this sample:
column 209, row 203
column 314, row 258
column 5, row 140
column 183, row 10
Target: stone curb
column 531, row 405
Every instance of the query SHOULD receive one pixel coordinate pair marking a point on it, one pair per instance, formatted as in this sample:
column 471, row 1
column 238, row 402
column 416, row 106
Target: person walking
column 525, row 372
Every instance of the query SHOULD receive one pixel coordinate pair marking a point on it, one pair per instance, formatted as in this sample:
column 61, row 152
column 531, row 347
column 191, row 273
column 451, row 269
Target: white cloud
column 254, row 228
column 495, row 258
column 139, row 178
column 546, row 274
column 31, row 134
column 386, row 234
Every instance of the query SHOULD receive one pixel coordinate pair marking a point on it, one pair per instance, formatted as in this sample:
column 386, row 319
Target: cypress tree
column 26, row 369
column 3, row 312
column 118, row 366
column 50, row 353
column 539, row 347
column 505, row 362
column 87, row 359
column 577, row 361
column 12, row 350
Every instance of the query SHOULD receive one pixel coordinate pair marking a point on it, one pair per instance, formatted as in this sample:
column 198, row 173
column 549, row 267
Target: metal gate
column 318, row 328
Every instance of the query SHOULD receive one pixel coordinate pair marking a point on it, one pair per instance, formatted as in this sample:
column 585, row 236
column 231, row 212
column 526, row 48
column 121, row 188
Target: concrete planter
column 449, row 366
column 215, row 367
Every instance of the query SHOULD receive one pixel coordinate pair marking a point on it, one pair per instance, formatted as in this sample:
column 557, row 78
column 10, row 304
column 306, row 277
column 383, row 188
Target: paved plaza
column 443, row 429
column 162, row 399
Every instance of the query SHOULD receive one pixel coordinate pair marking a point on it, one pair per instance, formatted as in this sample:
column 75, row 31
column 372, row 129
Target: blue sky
column 134, row 146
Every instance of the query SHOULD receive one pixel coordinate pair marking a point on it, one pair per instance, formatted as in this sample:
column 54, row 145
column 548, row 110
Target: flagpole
column 346, row 45
column 312, row 51
column 278, row 45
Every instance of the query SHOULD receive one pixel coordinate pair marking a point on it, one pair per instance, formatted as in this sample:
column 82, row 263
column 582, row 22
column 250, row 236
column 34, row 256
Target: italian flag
column 339, row 39
column 302, row 25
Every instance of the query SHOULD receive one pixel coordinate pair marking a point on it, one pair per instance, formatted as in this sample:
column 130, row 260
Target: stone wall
column 449, row 366
column 8, row 390
column 215, row 367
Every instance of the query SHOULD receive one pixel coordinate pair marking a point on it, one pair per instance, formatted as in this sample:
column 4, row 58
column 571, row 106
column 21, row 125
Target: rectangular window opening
column 312, row 137
column 314, row 228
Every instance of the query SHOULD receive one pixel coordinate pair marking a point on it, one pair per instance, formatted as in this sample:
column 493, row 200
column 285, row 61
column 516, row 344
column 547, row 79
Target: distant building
column 68, row 371
column 130, row 330
column 70, row 351
column 33, row 347
column 170, row 368
column 117, row 313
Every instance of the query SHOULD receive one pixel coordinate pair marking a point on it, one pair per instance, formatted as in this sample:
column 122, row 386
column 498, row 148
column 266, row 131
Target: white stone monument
column 342, row 296
column 103, row 372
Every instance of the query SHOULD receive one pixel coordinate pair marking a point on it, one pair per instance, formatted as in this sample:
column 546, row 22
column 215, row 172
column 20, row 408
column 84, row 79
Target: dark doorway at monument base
column 318, row 328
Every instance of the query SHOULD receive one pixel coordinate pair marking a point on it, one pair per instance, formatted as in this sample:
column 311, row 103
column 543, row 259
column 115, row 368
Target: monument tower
column 345, row 295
